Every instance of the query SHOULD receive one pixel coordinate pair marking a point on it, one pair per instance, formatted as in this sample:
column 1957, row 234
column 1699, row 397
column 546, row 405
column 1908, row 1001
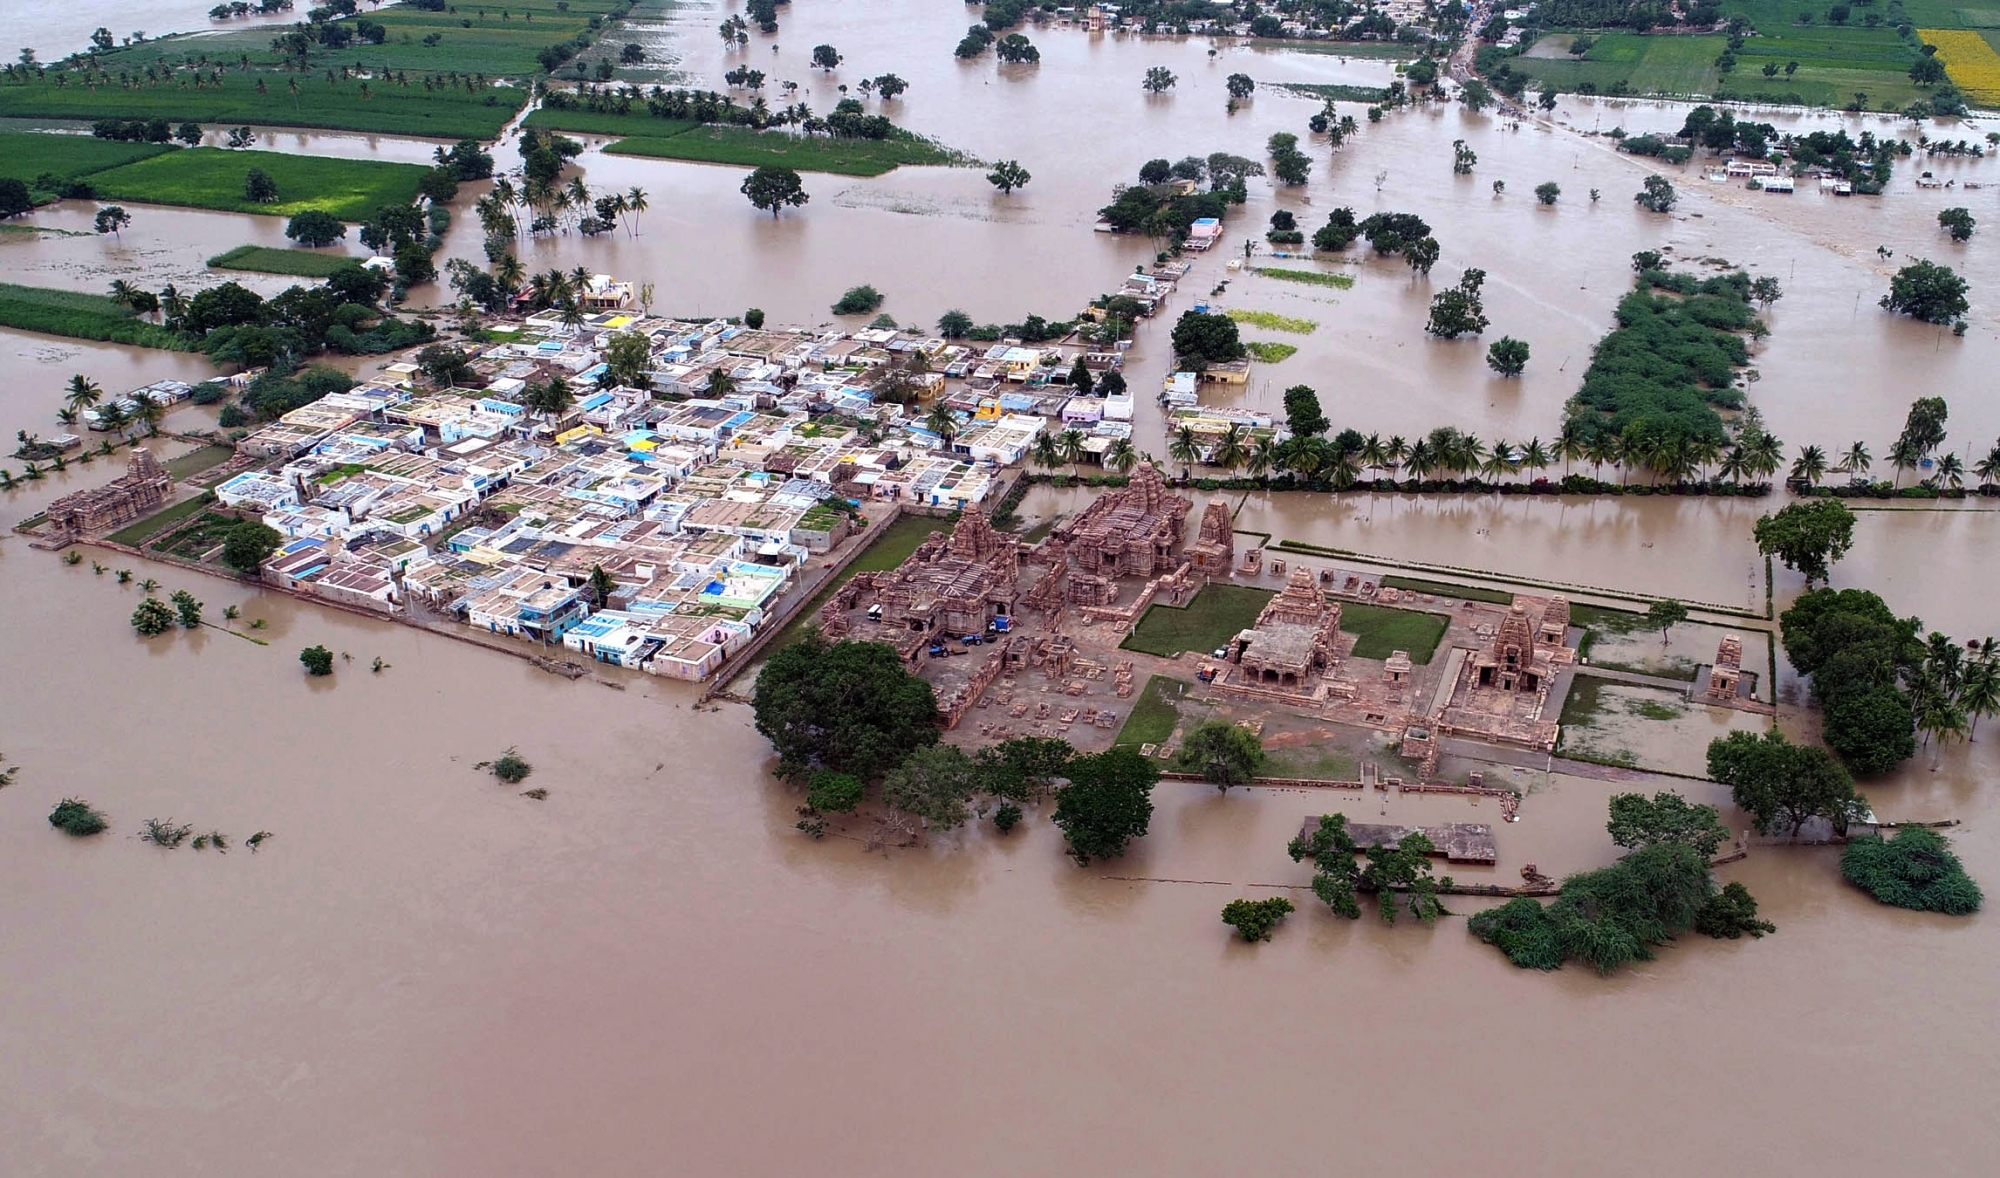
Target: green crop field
column 407, row 106
column 1834, row 63
column 1384, row 630
column 497, row 40
column 1155, row 711
column 26, row 155
column 590, row 122
column 264, row 259
column 81, row 316
column 747, row 148
column 212, row 178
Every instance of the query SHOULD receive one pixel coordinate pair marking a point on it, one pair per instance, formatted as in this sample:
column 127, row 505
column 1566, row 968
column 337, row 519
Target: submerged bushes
column 1916, row 869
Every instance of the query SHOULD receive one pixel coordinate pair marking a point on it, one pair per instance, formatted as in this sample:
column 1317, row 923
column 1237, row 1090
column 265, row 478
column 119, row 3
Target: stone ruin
column 144, row 486
column 1213, row 553
column 1725, row 679
column 952, row 585
column 1134, row 531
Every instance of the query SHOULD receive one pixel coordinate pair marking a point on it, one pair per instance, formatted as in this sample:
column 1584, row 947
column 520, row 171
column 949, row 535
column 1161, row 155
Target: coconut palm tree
column 1988, row 468
column 508, row 272
column 1396, row 452
column 1307, row 457
column 1263, row 456
column 173, row 304
column 635, row 203
column 1374, row 453
column 1045, row 453
column 1535, row 457
column 1950, row 472
column 1229, row 449
column 1122, row 457
column 1856, row 460
column 149, row 586
column 125, row 294
column 111, row 418
column 82, row 393
column 1979, row 693
column 1764, row 454
column 1703, row 453
column 67, row 417
column 1735, row 464
column 1469, row 455
column 1571, row 446
column 1422, row 460
column 1500, row 461
column 942, row 422
column 149, row 413
column 1185, row 449
column 1903, row 456
column 1070, row 444
column 1602, row 447
column 1810, row 466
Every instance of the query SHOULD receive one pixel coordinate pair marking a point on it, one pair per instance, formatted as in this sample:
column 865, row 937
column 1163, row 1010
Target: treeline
column 848, row 119
column 1160, row 205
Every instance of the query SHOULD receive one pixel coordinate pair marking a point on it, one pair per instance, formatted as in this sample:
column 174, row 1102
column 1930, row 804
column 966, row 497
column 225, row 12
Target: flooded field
column 425, row 972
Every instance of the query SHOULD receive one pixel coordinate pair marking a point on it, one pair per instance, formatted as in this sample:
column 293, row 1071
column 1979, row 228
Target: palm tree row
column 1951, row 687
column 556, row 206
column 1948, row 472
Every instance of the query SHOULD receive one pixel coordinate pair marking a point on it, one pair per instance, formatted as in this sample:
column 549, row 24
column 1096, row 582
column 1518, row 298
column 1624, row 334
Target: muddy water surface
column 425, row 973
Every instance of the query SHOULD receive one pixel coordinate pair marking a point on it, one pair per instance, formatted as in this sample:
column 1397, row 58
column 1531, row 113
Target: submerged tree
column 1255, row 920
column 773, row 188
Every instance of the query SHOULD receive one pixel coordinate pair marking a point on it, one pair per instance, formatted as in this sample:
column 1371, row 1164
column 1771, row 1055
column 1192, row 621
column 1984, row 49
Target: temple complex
column 1134, row 531
column 1214, row 547
column 1293, row 639
column 143, row 488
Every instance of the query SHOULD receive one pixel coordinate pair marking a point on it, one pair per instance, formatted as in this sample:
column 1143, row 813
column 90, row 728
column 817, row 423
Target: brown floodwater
column 426, row 973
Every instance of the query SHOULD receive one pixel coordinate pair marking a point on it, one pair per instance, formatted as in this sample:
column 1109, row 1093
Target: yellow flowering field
column 1971, row 63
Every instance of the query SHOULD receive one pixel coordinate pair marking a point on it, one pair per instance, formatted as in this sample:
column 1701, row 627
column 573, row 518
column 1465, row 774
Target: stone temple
column 143, row 487
column 1133, row 532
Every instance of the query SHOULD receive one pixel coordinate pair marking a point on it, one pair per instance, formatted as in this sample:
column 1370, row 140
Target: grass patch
column 195, row 461
column 264, row 259
column 1613, row 621
column 26, row 155
column 1332, row 91
column 1447, row 589
column 134, row 534
column 212, row 178
column 1379, row 50
column 1312, row 277
column 203, row 534
column 638, row 123
column 444, row 111
column 1209, row 620
column 1646, row 709
column 744, row 147
column 891, row 546
column 497, row 40
column 82, row 316
column 1271, row 321
column 1580, row 706
column 1154, row 712
column 1269, row 353
column 1384, row 630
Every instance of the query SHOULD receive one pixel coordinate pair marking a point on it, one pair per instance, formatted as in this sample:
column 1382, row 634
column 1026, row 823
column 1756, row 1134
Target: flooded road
column 426, row 973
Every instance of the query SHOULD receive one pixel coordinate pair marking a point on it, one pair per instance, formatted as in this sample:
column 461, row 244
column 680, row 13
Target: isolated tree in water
column 826, row 57
column 1507, row 356
column 1007, row 175
column 847, row 706
column 773, row 188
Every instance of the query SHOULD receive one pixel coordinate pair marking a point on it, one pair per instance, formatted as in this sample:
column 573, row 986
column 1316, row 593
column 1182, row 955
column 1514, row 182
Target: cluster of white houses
column 699, row 498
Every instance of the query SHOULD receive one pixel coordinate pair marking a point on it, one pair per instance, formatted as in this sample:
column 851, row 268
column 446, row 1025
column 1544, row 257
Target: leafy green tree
column 1915, row 869
column 510, row 766
column 1303, row 415
column 1007, row 175
column 1782, row 785
column 1422, row 254
column 834, row 793
column 1507, row 355
column 826, row 57
column 954, row 324
column 1664, row 615
column 188, row 609
column 1927, row 291
column 1159, row 79
column 318, row 660
column 1404, row 869
column 1607, row 918
column 848, row 706
column 111, row 219
column 1016, row 49
column 1807, row 537
column 859, row 300
column 628, row 360
column 1200, row 338
column 1256, row 920
column 1332, row 850
column 14, row 197
column 1656, row 195
column 1666, row 817
column 1107, row 803
column 1023, row 768
column 1457, row 310
column 773, row 188
column 315, row 228
column 936, row 783
column 1222, row 753
column 1240, row 86
column 1731, row 913
column 1548, row 192
column 247, row 545
column 152, row 617
column 259, row 188
column 1958, row 222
